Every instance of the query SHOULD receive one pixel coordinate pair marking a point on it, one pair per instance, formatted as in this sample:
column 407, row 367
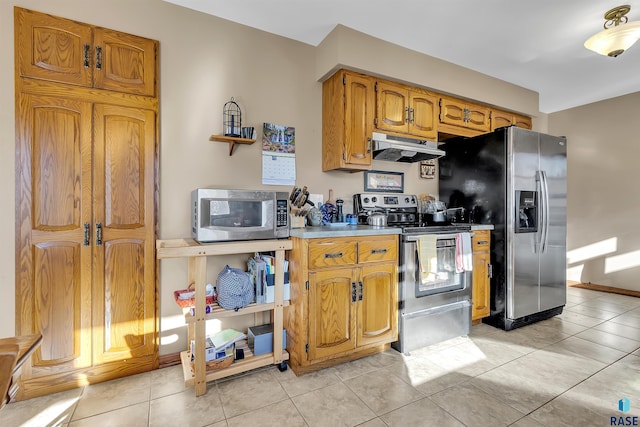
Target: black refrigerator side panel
column 473, row 175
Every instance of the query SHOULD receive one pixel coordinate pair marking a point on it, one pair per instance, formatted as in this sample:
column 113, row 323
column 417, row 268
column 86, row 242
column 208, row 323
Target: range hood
column 401, row 149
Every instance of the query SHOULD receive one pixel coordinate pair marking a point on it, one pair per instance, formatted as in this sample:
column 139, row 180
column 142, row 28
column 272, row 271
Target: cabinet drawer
column 481, row 240
column 376, row 250
column 331, row 252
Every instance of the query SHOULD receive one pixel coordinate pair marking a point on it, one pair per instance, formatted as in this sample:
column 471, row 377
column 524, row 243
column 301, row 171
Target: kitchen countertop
column 342, row 231
column 356, row 230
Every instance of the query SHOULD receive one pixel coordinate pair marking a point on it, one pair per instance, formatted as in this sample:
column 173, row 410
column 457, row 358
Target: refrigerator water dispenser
column 526, row 214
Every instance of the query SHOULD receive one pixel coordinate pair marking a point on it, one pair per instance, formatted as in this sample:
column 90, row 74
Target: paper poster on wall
column 278, row 155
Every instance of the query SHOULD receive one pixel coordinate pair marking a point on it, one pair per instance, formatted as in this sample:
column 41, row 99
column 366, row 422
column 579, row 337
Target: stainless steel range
column 436, row 306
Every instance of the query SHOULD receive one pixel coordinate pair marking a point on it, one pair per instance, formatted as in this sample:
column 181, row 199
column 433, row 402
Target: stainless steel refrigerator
column 514, row 179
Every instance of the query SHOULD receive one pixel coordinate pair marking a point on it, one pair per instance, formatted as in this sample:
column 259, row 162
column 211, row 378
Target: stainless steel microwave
column 220, row 215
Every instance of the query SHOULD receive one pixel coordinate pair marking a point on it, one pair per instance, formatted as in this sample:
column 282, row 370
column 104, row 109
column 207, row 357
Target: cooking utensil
column 300, row 197
column 330, row 199
column 294, row 193
column 377, row 220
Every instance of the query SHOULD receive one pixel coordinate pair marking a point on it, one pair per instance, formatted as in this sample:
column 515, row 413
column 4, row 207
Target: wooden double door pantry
column 86, row 166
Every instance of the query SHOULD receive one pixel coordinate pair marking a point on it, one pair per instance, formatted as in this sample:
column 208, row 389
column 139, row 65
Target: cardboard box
column 260, row 339
column 211, row 353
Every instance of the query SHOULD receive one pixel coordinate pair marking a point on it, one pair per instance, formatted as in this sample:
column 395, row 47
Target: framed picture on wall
column 390, row 182
column 428, row 169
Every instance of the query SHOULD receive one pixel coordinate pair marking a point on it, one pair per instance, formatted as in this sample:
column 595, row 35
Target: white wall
column 603, row 204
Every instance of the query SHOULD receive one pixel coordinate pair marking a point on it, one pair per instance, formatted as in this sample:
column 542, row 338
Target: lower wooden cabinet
column 344, row 299
column 481, row 288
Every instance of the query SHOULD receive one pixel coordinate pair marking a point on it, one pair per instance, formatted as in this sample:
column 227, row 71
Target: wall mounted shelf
column 232, row 140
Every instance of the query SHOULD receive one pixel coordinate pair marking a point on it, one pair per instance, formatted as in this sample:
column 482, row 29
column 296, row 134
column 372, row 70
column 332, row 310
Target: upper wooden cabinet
column 464, row 115
column 354, row 105
column 406, row 110
column 65, row 51
column 504, row 118
column 348, row 110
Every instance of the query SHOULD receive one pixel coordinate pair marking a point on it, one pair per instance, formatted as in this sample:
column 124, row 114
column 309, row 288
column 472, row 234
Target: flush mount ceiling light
column 618, row 35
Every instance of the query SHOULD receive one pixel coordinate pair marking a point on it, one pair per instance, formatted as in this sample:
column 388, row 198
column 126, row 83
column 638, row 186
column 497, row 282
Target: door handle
column 336, row 255
column 378, row 251
column 353, row 292
column 368, row 145
column 86, row 55
column 361, row 290
column 98, row 234
column 98, row 57
column 406, row 114
column 86, row 234
column 545, row 212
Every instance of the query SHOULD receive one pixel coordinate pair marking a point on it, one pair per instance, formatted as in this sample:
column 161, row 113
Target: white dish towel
column 464, row 252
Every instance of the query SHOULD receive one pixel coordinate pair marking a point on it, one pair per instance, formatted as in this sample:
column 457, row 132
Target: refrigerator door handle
column 544, row 235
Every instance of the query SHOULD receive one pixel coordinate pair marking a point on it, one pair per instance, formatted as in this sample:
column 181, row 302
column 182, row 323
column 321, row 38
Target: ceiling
column 534, row 44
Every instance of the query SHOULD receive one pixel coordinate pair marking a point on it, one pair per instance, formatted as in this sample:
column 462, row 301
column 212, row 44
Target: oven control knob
column 374, row 199
column 407, row 200
column 366, row 200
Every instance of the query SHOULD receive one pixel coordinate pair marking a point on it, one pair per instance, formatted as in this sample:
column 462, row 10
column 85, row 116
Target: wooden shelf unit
column 197, row 254
column 232, row 140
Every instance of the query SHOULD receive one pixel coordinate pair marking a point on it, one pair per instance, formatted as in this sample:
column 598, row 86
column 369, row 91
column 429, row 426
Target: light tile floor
column 570, row 370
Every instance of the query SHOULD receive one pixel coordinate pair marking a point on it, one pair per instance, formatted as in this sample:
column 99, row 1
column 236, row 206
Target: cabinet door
column 377, row 304
column 332, row 326
column 478, row 117
column 522, row 121
column 392, row 108
column 124, row 63
column 500, row 119
column 359, row 115
column 452, row 111
column 53, row 48
column 480, row 285
column 423, row 115
column 124, row 263
column 53, row 291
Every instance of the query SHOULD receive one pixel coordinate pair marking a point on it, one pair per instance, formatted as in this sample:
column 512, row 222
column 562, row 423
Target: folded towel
column 467, row 252
column 427, row 256
column 464, row 253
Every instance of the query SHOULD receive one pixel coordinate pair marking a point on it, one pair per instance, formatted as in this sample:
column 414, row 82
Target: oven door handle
column 437, row 310
column 414, row 237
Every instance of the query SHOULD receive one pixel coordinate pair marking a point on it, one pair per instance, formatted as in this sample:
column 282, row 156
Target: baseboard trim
column 169, row 360
column 602, row 288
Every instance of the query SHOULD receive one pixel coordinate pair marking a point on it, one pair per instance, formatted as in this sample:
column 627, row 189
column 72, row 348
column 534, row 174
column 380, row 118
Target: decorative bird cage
column 231, row 119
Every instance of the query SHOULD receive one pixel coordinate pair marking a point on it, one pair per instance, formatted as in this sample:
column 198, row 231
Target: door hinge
column 306, row 348
column 375, row 87
column 490, row 271
column 375, row 121
column 306, row 284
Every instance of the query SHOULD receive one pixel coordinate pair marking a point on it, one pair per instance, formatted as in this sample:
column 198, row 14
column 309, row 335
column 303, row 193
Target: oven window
column 445, row 278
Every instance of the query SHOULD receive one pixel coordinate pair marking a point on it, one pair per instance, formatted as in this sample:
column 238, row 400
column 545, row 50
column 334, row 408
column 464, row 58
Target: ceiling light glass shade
column 615, row 40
